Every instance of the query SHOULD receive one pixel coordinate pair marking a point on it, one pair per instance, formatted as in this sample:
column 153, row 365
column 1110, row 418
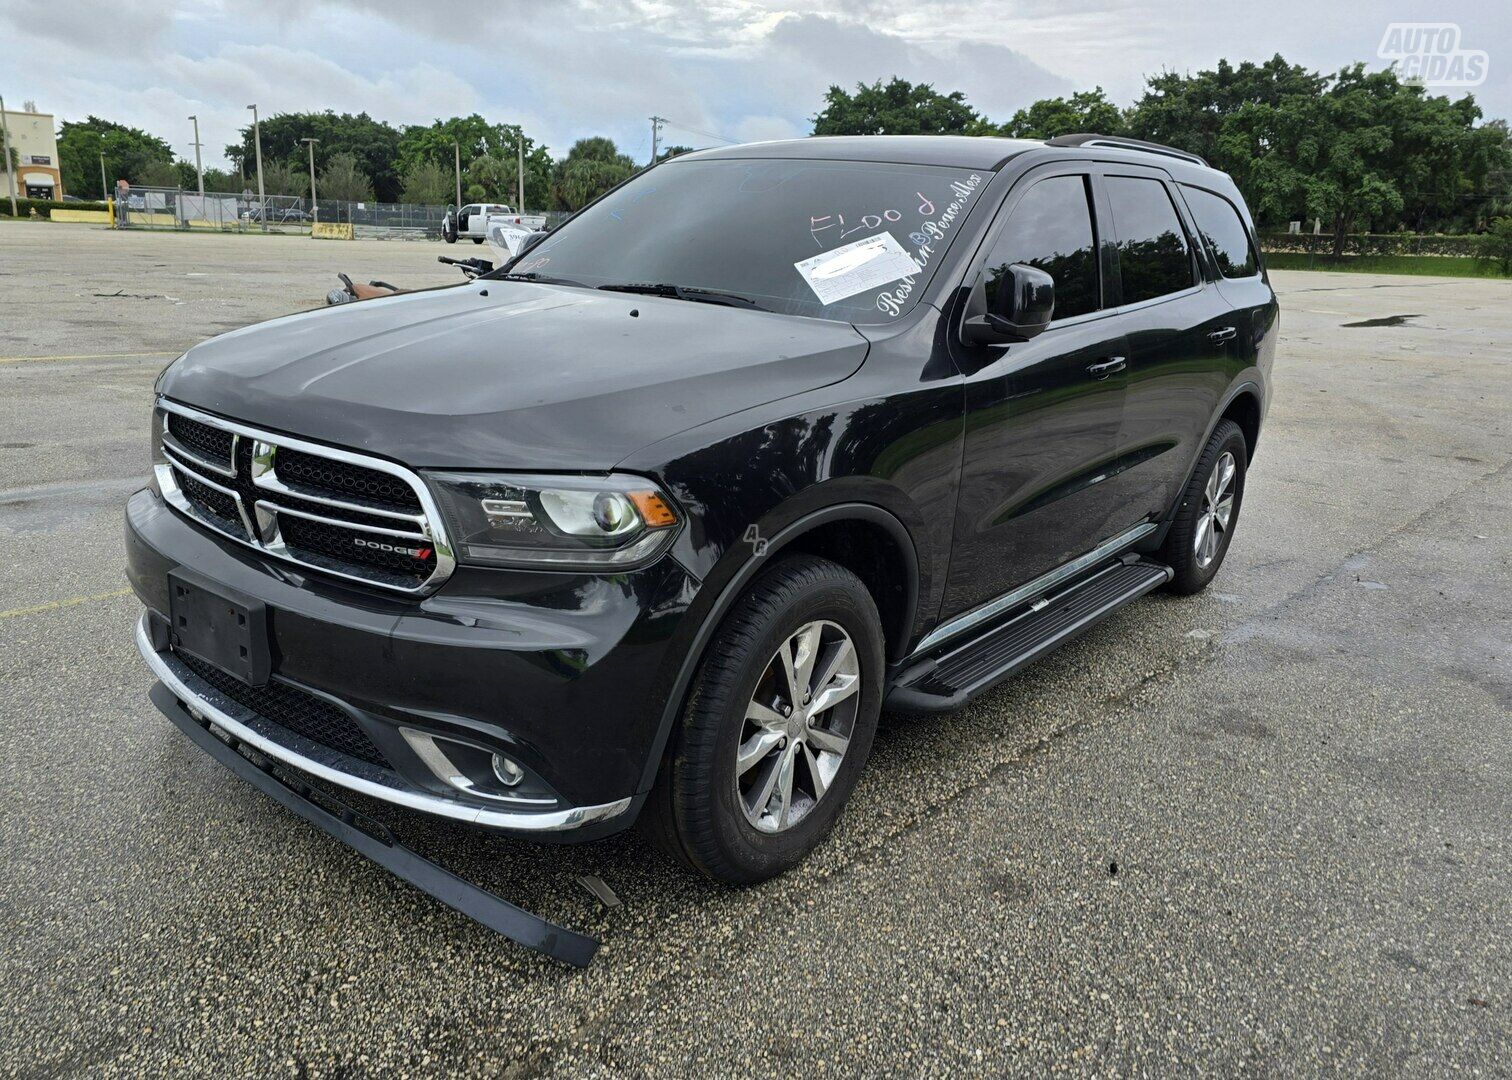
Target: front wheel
column 1209, row 510
column 777, row 727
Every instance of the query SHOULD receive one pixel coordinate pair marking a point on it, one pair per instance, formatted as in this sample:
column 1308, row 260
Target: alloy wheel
column 797, row 726
column 1217, row 511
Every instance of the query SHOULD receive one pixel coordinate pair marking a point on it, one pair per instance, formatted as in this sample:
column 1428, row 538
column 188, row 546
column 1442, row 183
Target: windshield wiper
column 539, row 279
column 686, row 292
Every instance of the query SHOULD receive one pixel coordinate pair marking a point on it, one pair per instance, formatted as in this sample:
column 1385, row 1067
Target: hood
column 509, row 375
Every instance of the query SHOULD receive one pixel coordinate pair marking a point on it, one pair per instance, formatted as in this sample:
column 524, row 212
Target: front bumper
column 564, row 674
column 204, row 703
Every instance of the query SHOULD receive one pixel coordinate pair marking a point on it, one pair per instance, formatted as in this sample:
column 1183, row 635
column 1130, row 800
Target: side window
column 1223, row 229
column 1153, row 257
column 1051, row 230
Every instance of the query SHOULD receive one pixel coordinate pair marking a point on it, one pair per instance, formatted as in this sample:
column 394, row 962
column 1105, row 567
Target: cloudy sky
column 720, row 70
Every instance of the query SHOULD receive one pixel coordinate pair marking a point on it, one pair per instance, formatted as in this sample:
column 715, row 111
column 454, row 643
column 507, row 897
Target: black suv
column 656, row 519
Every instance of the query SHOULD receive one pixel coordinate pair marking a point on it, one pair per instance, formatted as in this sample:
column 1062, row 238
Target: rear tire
column 1209, row 511
column 719, row 800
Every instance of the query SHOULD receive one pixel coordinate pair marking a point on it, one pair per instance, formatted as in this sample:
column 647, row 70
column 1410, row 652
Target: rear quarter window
column 1153, row 256
column 1221, row 226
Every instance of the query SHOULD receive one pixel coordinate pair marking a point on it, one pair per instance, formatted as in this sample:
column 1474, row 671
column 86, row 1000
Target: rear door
column 1181, row 333
column 1042, row 416
column 1234, row 262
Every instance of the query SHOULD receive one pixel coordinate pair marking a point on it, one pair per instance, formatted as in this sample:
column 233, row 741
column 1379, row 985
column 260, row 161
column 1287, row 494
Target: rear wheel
column 1209, row 511
column 778, row 725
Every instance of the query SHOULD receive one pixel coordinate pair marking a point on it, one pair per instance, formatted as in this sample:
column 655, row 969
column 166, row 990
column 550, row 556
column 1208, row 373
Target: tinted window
column 849, row 240
column 1152, row 249
column 1223, row 229
column 1051, row 230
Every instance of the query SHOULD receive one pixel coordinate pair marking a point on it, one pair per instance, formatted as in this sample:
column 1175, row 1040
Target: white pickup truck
column 471, row 222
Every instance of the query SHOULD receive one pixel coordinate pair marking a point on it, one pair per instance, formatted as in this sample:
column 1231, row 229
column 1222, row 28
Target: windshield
column 846, row 240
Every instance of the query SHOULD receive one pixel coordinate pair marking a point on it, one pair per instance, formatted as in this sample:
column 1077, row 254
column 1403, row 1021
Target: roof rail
column 1119, row 142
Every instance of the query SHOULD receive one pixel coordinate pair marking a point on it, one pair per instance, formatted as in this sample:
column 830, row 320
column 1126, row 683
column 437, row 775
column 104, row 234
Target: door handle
column 1222, row 334
column 1107, row 367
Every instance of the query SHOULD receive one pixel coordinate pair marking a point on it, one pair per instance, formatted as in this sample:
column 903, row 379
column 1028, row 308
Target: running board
column 953, row 678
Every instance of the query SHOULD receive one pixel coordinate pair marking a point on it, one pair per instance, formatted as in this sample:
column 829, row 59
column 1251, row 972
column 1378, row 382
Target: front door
column 1042, row 416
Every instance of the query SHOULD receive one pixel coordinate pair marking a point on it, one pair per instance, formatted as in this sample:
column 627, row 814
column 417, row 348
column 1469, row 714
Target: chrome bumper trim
column 516, row 821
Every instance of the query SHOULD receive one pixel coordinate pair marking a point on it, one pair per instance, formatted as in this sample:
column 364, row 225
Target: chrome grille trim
column 281, row 509
column 171, row 442
column 260, row 520
column 181, row 500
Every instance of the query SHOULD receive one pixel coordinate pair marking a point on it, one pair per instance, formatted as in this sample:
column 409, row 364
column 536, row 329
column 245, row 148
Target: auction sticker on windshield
column 856, row 268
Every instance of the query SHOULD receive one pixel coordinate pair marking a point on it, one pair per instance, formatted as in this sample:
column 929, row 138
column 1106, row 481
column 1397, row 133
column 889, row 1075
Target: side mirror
column 1018, row 308
column 532, row 240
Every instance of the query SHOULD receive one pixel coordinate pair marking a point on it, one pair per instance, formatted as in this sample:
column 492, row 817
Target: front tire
column 1209, row 511
column 777, row 727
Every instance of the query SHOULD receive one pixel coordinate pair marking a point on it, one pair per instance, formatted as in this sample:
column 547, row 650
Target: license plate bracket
column 219, row 626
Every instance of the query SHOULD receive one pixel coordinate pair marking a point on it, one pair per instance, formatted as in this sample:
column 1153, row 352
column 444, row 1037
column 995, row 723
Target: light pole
column 314, row 206
column 10, row 173
column 104, row 184
column 520, row 145
column 656, row 126
column 457, row 147
column 262, row 197
column 199, row 169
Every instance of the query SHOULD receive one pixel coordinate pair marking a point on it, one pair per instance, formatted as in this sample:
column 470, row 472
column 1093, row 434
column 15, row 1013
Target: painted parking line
column 88, row 356
column 55, row 605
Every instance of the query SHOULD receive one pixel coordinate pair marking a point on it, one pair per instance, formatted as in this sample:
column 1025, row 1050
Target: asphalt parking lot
column 1267, row 829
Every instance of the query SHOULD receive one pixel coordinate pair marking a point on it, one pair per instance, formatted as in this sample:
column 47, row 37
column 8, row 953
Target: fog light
column 507, row 771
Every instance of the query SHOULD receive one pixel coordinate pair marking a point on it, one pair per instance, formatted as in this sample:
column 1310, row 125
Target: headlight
column 592, row 523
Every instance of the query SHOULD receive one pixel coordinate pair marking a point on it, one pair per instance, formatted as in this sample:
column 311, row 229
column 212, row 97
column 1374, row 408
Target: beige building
column 34, row 145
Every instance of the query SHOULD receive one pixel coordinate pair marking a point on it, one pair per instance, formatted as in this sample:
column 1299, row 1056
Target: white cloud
column 739, row 69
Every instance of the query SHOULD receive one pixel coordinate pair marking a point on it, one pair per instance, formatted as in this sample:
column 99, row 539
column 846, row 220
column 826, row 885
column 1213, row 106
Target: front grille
column 304, row 506
column 325, row 476
column 293, row 709
column 330, row 541
column 220, row 506
column 202, row 440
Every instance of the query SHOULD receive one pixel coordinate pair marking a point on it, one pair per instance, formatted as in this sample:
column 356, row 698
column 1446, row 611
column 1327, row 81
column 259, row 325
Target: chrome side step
column 951, row 679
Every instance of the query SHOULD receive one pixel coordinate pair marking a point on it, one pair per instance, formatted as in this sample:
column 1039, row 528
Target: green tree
column 591, row 167
column 1088, row 110
column 1357, row 149
column 128, row 151
column 286, row 178
column 1496, row 244
column 221, row 180
column 673, row 151
column 491, row 179
column 373, row 143
column 429, row 184
column 495, row 176
column 164, row 174
column 343, row 180
column 433, row 143
column 897, row 108
column 1195, row 112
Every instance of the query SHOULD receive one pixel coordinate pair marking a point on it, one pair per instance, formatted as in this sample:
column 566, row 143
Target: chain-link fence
column 177, row 208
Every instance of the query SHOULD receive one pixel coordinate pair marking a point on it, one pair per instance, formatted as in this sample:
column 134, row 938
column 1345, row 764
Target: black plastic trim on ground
column 370, row 838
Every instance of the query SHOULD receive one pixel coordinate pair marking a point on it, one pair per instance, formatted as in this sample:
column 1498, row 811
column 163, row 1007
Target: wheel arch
column 1243, row 405
column 852, row 530
column 1244, row 409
